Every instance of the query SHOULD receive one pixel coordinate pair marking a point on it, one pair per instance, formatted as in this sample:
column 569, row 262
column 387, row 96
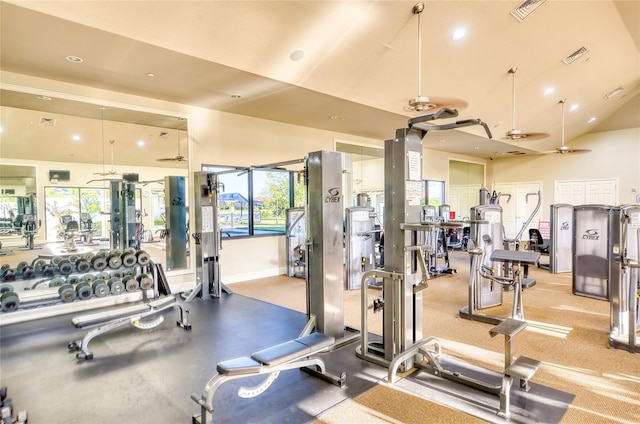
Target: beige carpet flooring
column 568, row 333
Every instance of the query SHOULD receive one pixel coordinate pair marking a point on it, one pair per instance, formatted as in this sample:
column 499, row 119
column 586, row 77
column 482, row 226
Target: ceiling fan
column 422, row 103
column 516, row 134
column 563, row 149
column 112, row 171
column 176, row 158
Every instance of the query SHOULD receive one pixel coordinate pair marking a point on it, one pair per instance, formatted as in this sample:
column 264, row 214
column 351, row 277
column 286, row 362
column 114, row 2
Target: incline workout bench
column 117, row 318
column 285, row 356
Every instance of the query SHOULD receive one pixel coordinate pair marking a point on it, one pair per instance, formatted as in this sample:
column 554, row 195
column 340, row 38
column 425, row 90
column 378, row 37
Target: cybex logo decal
column 591, row 235
column 564, row 226
column 333, row 196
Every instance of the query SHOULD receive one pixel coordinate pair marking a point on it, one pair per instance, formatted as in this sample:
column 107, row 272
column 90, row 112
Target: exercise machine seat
column 536, row 242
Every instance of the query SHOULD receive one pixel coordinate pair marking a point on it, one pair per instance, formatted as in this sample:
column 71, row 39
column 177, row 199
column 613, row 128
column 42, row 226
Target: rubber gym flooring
column 147, row 376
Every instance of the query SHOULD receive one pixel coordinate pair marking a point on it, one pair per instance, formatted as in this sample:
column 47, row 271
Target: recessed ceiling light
column 442, row 140
column 459, row 34
column 477, row 148
column 236, row 96
column 297, row 55
column 549, row 90
column 573, row 107
column 46, row 98
column 336, row 118
column 75, row 59
column 141, row 143
column 592, row 120
column 76, row 137
column 151, row 74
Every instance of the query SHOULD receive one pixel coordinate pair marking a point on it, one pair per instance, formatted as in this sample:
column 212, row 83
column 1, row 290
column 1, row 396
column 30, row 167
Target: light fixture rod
column 417, row 10
column 513, row 99
column 562, row 102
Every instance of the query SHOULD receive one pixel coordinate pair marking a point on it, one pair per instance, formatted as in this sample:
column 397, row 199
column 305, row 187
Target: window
column 82, row 204
column 254, row 202
column 434, row 192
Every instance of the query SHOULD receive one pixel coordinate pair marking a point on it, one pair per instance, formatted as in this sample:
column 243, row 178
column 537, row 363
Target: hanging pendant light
column 105, row 173
column 422, row 103
column 516, row 134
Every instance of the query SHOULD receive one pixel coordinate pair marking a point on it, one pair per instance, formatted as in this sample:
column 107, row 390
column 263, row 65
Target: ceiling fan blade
column 519, row 135
column 177, row 158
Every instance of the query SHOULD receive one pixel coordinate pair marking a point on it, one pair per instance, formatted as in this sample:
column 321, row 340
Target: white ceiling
column 360, row 61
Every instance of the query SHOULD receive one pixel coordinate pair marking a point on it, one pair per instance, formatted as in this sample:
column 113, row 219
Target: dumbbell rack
column 73, row 283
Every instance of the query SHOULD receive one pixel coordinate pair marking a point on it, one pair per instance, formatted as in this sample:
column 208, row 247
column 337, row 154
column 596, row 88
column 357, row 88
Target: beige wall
column 614, row 154
column 226, row 139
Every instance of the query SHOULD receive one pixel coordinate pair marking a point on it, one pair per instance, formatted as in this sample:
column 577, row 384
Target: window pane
column 59, row 202
column 299, row 189
column 434, row 193
column 271, row 198
column 233, row 207
column 93, row 201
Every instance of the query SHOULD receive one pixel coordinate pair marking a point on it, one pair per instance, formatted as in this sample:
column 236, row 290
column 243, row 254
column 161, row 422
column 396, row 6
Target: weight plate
column 99, row 263
column 130, row 272
column 67, row 293
column 143, row 257
column 129, row 260
column 100, row 288
column 10, row 302
column 56, row 282
column 104, row 275
column 129, row 251
column 48, row 270
column 84, row 290
column 28, row 273
column 144, row 281
column 117, row 274
column 114, row 261
column 116, row 286
column 66, row 267
column 131, row 284
column 9, row 275
column 5, row 267
column 83, row 265
column 73, row 258
column 87, row 256
column 56, row 260
column 88, row 278
column 21, row 266
column 115, row 252
column 73, row 279
column 4, row 288
column 38, row 264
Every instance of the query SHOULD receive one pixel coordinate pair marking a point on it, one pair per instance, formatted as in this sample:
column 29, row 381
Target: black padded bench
column 120, row 317
column 292, row 354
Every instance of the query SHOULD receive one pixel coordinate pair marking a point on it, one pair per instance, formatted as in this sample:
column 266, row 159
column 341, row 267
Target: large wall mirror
column 465, row 181
column 64, row 156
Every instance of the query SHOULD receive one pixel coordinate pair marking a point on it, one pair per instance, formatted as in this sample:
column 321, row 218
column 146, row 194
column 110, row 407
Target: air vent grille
column 163, row 135
column 526, row 9
column 516, row 153
column 576, row 55
column 47, row 122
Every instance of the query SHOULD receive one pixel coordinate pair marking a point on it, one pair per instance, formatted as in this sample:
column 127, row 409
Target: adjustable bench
column 120, row 317
column 284, row 356
column 522, row 368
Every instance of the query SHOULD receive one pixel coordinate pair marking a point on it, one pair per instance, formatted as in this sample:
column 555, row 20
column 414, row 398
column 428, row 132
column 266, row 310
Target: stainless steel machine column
column 624, row 279
column 360, row 244
column 591, row 251
column 176, row 222
column 561, row 245
column 325, row 242
column 207, row 236
column 402, row 313
column 123, row 216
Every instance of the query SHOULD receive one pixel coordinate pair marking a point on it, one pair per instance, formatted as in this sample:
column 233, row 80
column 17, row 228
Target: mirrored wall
column 63, row 160
column 465, row 181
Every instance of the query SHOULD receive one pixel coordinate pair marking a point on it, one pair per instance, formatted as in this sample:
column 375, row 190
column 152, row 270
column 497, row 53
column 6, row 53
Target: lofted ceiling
column 347, row 66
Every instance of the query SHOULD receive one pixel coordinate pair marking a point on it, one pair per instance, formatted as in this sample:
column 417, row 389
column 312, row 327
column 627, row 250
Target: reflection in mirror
column 465, row 181
column 363, row 176
column 100, row 168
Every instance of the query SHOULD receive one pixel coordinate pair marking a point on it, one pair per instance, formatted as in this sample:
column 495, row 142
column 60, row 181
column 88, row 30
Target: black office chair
column 536, row 242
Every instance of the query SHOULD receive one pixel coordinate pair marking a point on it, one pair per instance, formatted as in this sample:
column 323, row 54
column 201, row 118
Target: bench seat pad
column 239, row 366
